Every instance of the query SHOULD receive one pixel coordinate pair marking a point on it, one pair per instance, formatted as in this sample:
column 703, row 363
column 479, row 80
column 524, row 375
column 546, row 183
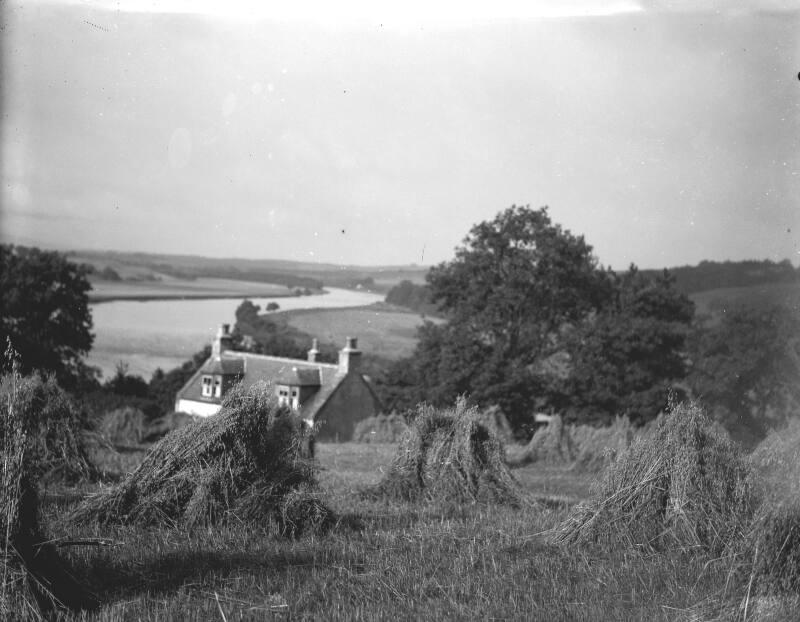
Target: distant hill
column 704, row 277
column 290, row 273
column 708, row 275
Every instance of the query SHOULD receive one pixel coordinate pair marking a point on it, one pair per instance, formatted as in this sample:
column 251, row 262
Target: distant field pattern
column 391, row 334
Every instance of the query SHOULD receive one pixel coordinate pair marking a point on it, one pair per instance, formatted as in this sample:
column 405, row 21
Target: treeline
column 413, row 296
column 716, row 274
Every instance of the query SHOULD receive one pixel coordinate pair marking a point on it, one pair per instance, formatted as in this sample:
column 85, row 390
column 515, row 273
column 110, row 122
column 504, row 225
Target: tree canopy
column 45, row 311
column 534, row 322
column 629, row 356
column 746, row 366
column 514, row 282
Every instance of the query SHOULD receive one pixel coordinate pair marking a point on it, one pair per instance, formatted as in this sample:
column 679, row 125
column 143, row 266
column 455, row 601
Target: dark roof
column 299, row 377
column 259, row 368
column 223, row 365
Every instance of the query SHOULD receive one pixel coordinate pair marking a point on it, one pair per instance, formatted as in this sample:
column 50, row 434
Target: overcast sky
column 664, row 135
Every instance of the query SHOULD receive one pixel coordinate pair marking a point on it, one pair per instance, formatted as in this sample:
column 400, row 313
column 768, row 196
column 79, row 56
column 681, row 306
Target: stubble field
column 384, row 560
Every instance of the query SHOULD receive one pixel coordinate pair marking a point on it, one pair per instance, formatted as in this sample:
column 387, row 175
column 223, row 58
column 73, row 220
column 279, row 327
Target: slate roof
column 259, row 367
column 223, row 365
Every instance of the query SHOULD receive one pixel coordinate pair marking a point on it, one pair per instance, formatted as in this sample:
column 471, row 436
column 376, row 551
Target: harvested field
column 244, row 464
column 449, row 455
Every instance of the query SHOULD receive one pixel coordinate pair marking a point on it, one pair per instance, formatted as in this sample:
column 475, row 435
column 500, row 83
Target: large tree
column 746, row 366
column 628, row 357
column 515, row 282
column 44, row 311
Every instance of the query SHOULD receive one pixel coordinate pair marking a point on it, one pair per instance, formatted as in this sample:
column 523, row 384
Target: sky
column 357, row 133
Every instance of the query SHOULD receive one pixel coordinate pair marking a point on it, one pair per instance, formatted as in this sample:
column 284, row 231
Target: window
column 283, row 396
column 206, row 390
column 295, row 399
column 217, row 386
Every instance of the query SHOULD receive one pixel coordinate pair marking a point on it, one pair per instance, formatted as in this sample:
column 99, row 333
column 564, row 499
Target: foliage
column 512, row 285
column 627, row 358
column 273, row 336
column 746, row 367
column 412, row 296
column 164, row 386
column 44, row 310
column 715, row 274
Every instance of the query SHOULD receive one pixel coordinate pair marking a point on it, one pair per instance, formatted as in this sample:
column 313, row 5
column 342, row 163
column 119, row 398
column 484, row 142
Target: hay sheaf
column 55, row 427
column 686, row 485
column 596, row 448
column 34, row 581
column 449, row 455
column 551, row 444
column 380, row 429
column 241, row 464
column 124, row 427
column 773, row 543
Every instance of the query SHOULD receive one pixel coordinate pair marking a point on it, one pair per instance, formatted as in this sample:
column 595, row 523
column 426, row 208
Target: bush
column 240, row 464
column 448, row 455
column 686, row 485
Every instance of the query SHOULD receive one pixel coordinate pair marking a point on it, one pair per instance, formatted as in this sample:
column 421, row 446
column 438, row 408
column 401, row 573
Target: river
column 164, row 333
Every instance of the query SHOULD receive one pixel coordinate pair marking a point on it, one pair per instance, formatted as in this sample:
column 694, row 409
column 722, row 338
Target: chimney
column 223, row 341
column 313, row 352
column 349, row 356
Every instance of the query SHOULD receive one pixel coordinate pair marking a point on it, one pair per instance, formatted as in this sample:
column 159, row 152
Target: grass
column 382, row 330
column 714, row 302
column 387, row 561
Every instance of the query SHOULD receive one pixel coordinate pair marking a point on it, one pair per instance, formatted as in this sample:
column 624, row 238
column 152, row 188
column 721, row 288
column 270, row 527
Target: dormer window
column 217, row 386
column 207, row 386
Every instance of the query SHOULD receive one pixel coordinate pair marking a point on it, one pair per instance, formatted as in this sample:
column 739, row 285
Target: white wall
column 201, row 409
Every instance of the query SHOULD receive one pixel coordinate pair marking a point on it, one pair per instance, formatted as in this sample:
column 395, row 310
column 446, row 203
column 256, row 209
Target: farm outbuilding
column 332, row 398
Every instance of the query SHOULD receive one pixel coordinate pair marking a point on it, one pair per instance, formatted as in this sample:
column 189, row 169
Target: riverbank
column 197, row 289
column 163, row 333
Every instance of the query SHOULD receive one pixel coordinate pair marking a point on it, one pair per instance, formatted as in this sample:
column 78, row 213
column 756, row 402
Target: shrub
column 448, row 455
column 686, row 485
column 241, row 463
column 380, row 429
